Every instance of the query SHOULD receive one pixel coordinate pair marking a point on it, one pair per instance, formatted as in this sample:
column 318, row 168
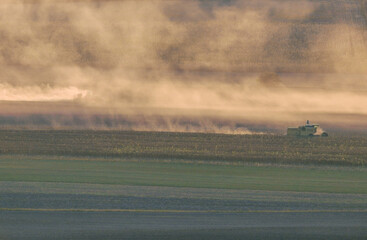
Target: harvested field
column 277, row 149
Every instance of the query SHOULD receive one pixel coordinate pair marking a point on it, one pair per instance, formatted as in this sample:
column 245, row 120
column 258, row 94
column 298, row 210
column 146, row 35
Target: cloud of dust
column 221, row 63
column 319, row 131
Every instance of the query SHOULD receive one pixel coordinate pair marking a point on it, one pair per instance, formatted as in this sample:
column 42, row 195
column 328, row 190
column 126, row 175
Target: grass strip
column 184, row 211
column 184, row 175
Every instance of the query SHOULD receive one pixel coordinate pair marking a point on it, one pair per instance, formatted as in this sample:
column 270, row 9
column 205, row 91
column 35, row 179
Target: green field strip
column 183, row 211
column 145, row 173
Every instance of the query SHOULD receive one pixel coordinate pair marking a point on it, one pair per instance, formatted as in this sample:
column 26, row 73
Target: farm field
column 350, row 150
column 101, row 184
column 119, row 119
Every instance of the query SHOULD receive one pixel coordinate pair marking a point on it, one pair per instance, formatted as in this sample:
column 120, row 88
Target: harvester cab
column 308, row 130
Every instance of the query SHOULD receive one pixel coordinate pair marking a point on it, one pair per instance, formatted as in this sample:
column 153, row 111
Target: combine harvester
column 308, row 130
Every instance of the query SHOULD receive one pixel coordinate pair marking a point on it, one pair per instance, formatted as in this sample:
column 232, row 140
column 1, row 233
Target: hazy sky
column 193, row 65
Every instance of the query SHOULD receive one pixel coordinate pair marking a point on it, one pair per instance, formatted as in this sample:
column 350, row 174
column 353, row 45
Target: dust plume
column 197, row 65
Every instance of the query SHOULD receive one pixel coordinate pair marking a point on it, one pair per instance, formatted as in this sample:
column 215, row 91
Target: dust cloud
column 199, row 66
